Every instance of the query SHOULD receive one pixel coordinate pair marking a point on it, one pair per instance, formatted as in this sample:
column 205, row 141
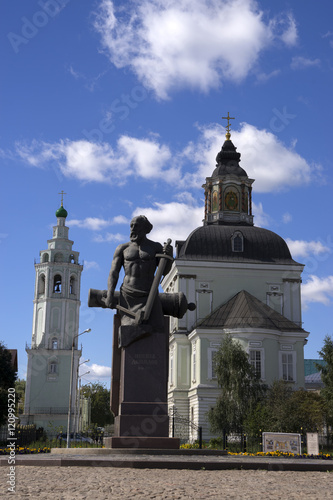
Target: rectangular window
column 287, row 367
column 214, row 353
column 171, row 371
column 255, row 360
column 194, row 367
column 53, row 368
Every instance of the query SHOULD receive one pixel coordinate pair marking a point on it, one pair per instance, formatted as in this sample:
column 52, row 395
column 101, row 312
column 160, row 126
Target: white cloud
column 109, row 237
column 301, row 248
column 302, row 62
column 189, row 43
column 92, row 223
column 286, row 218
column 96, row 223
column 99, row 162
column 273, row 165
column 172, row 220
column 285, row 26
column 261, row 219
column 96, row 371
column 264, row 77
column 90, row 265
column 318, row 290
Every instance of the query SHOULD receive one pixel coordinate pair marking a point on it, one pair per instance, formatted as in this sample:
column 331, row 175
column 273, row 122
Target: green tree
column 241, row 389
column 286, row 410
column 99, row 395
column 327, row 376
column 7, row 380
column 20, row 384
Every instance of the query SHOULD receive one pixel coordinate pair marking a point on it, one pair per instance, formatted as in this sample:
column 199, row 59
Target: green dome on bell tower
column 61, row 212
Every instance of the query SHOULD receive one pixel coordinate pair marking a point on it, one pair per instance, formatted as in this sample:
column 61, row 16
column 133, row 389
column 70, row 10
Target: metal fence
column 246, row 443
column 182, row 427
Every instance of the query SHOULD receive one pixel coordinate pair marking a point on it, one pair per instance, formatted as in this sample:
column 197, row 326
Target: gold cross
column 228, row 126
column 62, row 196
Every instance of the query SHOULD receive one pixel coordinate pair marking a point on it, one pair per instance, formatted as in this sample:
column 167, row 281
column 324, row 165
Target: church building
column 54, row 333
column 244, row 282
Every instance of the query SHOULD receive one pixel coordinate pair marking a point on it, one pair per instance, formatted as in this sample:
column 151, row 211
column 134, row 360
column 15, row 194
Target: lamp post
column 70, row 386
column 76, row 403
column 79, row 409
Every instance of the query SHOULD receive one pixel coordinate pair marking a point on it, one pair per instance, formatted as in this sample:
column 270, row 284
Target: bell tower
column 55, row 325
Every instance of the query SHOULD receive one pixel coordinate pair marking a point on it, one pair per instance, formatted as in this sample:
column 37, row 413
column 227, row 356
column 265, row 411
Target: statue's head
column 140, row 226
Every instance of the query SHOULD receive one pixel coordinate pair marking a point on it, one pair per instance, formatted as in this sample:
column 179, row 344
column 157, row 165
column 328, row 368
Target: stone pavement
column 150, row 476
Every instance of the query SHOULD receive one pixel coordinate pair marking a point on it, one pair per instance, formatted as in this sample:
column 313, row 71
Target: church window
column 54, row 343
column 72, row 259
column 45, row 257
column 255, row 360
column 288, row 366
column 57, row 284
column 53, row 368
column 41, row 284
column 215, row 199
column 72, row 285
column 237, row 242
column 231, row 200
column 212, row 353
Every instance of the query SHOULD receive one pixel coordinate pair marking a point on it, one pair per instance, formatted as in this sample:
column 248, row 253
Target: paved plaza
column 147, row 476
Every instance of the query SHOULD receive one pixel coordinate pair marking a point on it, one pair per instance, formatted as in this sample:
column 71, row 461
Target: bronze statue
column 139, row 304
column 140, row 338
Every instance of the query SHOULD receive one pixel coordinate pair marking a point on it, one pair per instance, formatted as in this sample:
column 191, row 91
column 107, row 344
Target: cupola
column 228, row 192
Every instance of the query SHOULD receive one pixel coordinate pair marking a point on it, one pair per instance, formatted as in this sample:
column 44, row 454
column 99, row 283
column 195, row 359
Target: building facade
column 54, row 333
column 244, row 282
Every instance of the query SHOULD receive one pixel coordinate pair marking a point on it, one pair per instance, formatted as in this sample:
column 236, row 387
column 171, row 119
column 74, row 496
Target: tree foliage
column 327, row 376
column 241, row 389
column 99, row 395
column 7, row 380
column 286, row 410
column 20, row 393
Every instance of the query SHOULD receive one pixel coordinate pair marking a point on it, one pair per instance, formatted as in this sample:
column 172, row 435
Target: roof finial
column 62, row 196
column 228, row 135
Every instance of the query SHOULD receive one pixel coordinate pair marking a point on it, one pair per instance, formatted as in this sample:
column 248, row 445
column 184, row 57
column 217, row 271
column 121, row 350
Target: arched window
column 54, row 343
column 237, row 242
column 41, row 284
column 72, row 285
column 72, row 259
column 57, row 284
column 215, row 199
column 231, row 199
column 45, row 257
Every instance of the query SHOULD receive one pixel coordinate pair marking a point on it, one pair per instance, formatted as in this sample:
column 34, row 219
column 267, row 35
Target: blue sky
column 119, row 104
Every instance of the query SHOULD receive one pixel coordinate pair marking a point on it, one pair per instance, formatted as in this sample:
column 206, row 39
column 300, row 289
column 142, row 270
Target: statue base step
column 140, row 442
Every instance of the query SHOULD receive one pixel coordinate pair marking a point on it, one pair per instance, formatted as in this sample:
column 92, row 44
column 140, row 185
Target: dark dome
column 228, row 161
column 213, row 243
column 230, row 168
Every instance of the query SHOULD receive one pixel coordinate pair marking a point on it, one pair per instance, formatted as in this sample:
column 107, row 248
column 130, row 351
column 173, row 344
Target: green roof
column 310, row 366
